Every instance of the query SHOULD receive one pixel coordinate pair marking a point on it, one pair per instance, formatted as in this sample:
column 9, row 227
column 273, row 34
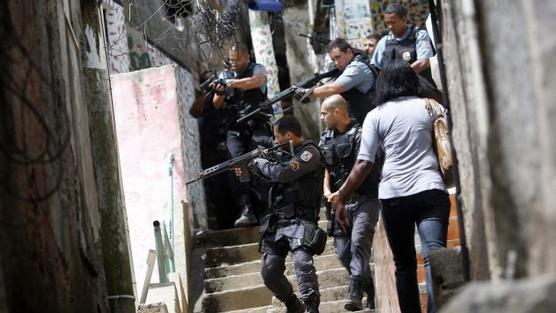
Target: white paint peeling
column 93, row 54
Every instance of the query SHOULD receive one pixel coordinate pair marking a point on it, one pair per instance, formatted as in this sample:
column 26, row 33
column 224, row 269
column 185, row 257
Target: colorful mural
column 264, row 51
column 417, row 11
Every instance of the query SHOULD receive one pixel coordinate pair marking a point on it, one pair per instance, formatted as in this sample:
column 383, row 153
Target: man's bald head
column 336, row 102
column 334, row 112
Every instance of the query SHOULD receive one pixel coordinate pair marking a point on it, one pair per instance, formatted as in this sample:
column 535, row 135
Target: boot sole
column 353, row 307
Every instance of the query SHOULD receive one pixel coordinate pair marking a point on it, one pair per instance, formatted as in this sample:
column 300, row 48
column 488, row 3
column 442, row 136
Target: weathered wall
column 152, row 123
column 466, row 90
column 50, row 234
column 302, row 64
column 127, row 48
column 98, row 99
column 501, row 74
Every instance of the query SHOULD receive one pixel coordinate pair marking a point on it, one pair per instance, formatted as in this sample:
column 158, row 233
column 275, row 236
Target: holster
column 319, row 241
column 314, row 238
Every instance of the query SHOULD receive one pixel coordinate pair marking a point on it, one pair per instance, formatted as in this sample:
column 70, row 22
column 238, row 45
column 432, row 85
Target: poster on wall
column 357, row 17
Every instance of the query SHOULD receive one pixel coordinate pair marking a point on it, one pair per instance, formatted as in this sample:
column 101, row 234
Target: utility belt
column 299, row 233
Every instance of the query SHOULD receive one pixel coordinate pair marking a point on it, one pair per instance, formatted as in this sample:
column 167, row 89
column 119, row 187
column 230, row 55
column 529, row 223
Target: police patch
column 406, row 56
column 294, row 165
column 306, row 156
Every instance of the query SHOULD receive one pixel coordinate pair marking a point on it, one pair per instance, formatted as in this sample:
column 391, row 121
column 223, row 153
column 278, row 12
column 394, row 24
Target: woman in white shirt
column 412, row 191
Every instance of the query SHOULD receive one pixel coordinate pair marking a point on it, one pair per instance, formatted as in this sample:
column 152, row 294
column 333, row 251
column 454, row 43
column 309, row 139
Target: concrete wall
column 127, row 48
column 51, row 228
column 152, row 122
column 501, row 94
column 302, row 64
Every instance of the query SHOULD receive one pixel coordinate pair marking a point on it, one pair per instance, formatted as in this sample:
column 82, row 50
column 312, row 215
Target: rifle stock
column 309, row 82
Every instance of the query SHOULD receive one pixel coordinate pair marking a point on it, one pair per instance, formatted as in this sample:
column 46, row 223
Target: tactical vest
column 405, row 50
column 359, row 103
column 300, row 198
column 340, row 153
column 243, row 101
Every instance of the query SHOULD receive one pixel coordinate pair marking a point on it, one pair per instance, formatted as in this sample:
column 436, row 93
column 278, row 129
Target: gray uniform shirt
column 257, row 68
column 404, row 128
column 356, row 75
column 423, row 47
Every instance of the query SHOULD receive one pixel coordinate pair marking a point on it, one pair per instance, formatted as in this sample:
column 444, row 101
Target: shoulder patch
column 294, row 165
column 306, row 156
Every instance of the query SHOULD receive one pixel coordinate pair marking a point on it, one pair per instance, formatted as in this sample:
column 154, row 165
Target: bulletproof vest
column 405, row 50
column 302, row 197
column 246, row 99
column 340, row 153
column 360, row 103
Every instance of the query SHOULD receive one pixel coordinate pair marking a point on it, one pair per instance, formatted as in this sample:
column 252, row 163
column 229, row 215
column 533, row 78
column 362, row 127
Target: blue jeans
column 430, row 211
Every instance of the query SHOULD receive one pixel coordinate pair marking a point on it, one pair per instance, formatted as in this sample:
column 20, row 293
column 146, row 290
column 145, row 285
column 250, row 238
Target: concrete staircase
column 233, row 282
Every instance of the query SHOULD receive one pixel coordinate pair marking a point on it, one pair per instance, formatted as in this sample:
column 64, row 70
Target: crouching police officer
column 339, row 145
column 291, row 222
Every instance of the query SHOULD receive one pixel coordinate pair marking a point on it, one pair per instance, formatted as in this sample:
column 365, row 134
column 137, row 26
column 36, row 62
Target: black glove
column 301, row 93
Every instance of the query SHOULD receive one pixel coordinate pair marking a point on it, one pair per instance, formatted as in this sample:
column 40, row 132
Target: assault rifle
column 240, row 161
column 320, row 39
column 307, row 83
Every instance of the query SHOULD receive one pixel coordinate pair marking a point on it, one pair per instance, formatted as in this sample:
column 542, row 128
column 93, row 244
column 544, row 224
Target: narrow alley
column 244, row 156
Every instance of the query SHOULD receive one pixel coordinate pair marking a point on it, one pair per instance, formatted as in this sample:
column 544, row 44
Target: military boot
column 312, row 306
column 247, row 217
column 355, row 294
column 369, row 288
column 294, row 305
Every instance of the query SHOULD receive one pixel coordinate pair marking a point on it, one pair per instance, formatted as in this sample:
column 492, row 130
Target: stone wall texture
column 501, row 96
column 50, row 236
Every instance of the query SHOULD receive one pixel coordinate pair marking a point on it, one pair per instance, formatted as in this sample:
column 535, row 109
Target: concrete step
column 261, row 309
column 237, row 299
column 232, row 254
column 229, row 237
column 327, row 294
column 326, row 307
column 327, row 278
column 322, row 262
column 229, row 255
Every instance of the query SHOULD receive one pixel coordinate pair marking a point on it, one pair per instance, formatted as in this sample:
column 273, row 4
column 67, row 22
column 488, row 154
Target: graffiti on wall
column 357, row 17
column 417, row 11
column 127, row 48
column 264, row 51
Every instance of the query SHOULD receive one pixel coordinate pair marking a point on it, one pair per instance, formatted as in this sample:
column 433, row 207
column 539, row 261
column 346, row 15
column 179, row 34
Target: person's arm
column 358, row 173
column 351, row 77
column 257, row 80
column 218, row 101
column 199, row 105
column 424, row 51
column 326, row 185
column 301, row 164
column 420, row 65
column 328, row 90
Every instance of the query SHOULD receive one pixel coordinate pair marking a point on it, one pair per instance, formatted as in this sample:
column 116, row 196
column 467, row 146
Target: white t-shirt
column 404, row 128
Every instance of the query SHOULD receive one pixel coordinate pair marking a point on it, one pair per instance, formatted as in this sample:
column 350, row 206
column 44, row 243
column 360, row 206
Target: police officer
column 410, row 43
column 291, row 223
column 245, row 89
column 339, row 145
column 356, row 82
column 213, row 126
